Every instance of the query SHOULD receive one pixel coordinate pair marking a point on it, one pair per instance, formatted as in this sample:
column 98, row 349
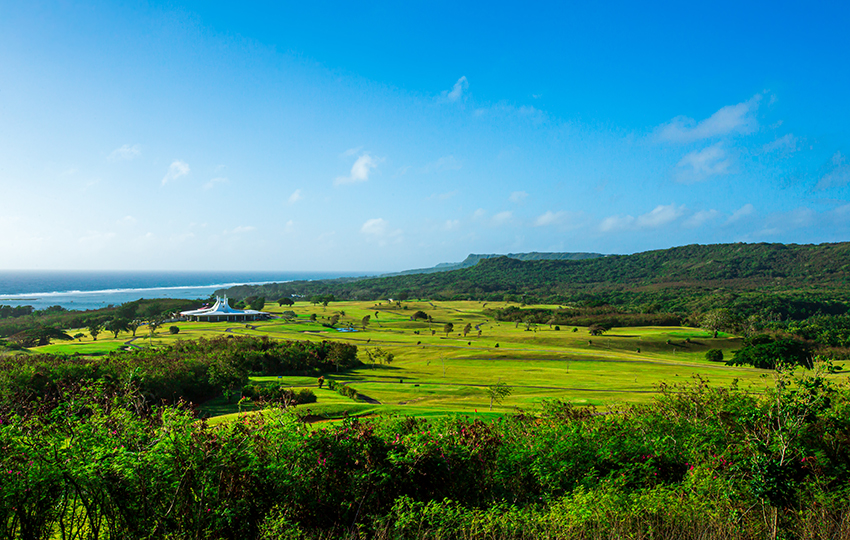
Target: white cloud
column 444, row 196
column 659, row 216
column 351, row 152
column 378, row 229
column 570, row 220
column 445, row 163
column 786, row 144
column 289, row 227
column 243, row 229
column 838, row 175
column 503, row 217
column 548, row 218
column 451, row 224
column 374, row 227
column 175, row 170
column 479, row 214
column 738, row 118
column 527, row 112
column 295, row 197
column 518, row 196
column 456, row 93
column 359, row 171
column 700, row 218
column 702, row 164
column 127, row 220
column 616, row 223
column 216, row 181
column 125, row 152
column 741, row 213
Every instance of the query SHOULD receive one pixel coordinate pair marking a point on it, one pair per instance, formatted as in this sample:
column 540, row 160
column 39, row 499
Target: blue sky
column 381, row 137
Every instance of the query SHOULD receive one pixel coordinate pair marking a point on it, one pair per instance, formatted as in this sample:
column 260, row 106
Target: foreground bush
column 699, row 462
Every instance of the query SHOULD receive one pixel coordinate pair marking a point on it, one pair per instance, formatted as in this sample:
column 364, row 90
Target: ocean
column 83, row 290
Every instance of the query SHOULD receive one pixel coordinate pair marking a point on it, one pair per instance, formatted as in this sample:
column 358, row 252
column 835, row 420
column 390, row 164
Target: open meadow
column 434, row 370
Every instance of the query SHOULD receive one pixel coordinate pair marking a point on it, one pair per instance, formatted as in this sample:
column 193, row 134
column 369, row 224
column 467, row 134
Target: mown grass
column 437, row 373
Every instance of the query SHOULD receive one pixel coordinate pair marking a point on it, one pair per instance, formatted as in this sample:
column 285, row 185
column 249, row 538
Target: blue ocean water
column 82, row 290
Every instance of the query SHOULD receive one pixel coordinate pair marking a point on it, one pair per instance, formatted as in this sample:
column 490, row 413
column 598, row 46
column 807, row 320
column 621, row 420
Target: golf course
column 450, row 357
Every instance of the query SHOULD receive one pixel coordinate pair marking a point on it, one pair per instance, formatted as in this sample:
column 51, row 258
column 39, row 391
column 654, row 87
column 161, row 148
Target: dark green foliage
column 699, row 462
column 278, row 394
column 190, row 370
column 173, row 330
column 764, row 352
column 714, row 355
column 61, row 318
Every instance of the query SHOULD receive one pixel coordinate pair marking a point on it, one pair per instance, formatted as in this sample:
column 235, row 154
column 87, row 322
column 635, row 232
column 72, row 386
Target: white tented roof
column 221, row 307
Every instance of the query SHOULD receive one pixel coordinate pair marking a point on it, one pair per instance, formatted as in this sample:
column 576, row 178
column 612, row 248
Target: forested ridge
column 808, row 279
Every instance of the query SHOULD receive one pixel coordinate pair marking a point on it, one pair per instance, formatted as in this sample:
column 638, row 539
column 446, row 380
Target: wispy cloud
column 451, row 224
column 378, row 229
column 444, row 196
column 351, row 152
column 518, row 196
column 786, row 144
column 445, row 163
column 176, row 170
column 526, row 112
column 616, row 223
column 661, row 215
column 125, row 152
column 741, row 213
column 731, row 119
column 838, row 174
column 243, row 229
column 359, row 171
column 702, row 164
column 295, row 197
column 503, row 217
column 215, row 182
column 570, row 220
column 457, row 91
column 700, row 218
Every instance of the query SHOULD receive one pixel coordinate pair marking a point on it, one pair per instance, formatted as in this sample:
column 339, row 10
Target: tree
column 773, row 354
column 714, row 355
column 365, row 321
column 334, row 320
column 313, row 317
column 466, row 329
column 598, row 329
column 174, row 330
column 285, row 301
column 116, row 325
column 133, row 325
column 717, row 320
column 95, row 329
column 258, row 303
column 447, row 328
column 498, row 392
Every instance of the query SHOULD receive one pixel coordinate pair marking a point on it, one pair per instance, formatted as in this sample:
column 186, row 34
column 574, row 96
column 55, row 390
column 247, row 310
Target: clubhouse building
column 221, row 311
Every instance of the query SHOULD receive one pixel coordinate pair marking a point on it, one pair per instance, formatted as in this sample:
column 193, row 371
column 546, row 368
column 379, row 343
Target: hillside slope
column 779, row 278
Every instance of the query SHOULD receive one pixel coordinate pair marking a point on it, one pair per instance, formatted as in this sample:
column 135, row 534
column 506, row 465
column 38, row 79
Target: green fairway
column 438, row 369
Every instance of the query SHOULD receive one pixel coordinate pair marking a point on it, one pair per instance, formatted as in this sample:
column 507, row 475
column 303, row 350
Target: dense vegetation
column 788, row 281
column 698, row 462
column 189, row 370
column 22, row 322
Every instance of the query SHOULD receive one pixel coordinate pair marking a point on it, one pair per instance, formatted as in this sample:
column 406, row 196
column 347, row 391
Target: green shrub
column 714, row 355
